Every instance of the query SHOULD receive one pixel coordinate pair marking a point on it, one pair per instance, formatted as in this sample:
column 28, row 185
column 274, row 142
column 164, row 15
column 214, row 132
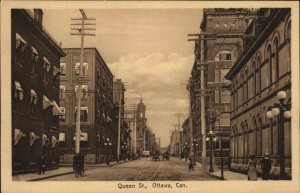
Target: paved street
column 141, row 170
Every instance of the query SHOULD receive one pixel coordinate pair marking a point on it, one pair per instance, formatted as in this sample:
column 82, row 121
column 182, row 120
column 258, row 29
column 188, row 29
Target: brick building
column 35, row 92
column 98, row 136
column 259, row 73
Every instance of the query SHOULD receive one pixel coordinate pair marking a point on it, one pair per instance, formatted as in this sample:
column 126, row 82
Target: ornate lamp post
column 282, row 110
column 210, row 137
column 124, row 149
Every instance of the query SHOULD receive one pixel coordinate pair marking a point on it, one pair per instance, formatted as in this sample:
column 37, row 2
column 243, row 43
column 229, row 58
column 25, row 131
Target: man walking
column 266, row 167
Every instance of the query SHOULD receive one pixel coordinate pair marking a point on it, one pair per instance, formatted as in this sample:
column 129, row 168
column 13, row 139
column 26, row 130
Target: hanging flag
column 46, row 102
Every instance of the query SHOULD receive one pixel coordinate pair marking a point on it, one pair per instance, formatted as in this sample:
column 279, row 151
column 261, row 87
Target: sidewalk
column 228, row 175
column 64, row 169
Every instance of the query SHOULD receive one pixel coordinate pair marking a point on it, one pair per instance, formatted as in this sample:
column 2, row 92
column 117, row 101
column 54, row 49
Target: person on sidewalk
column 191, row 165
column 42, row 165
column 266, row 167
column 252, row 175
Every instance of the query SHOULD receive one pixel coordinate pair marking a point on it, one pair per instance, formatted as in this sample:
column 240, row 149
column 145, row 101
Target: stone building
column 35, row 92
column 141, row 126
column 220, row 42
column 98, row 140
column 259, row 73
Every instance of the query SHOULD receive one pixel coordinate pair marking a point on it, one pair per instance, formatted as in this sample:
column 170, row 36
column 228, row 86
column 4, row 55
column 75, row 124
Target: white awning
column 55, row 71
column 53, row 141
column 46, row 102
column 44, row 139
column 33, row 93
column 47, row 64
column 83, row 137
column 18, row 86
column 33, row 137
column 34, row 51
column 56, row 109
column 19, row 40
column 62, row 137
column 18, row 135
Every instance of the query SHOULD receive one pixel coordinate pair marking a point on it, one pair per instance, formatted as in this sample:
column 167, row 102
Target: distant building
column 259, row 73
column 141, row 127
column 98, row 140
column 35, row 92
column 119, row 99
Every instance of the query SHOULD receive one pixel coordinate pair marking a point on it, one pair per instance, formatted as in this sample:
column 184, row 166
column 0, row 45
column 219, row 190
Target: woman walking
column 252, row 175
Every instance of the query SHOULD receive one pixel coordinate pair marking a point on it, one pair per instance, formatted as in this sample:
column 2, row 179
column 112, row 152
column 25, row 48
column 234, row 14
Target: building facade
column 260, row 72
column 220, row 52
column 35, row 92
column 98, row 140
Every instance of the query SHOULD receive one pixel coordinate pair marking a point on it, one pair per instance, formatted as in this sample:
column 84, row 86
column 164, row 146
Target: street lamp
column 124, row 149
column 282, row 110
column 210, row 137
column 107, row 144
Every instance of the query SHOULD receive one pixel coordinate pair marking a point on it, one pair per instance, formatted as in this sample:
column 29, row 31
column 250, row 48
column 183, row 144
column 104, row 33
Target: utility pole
column 119, row 123
column 190, row 116
column 178, row 115
column 134, row 128
column 81, row 32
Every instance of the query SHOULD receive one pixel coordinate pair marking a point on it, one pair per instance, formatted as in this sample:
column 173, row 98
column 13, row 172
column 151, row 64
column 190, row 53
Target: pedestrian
column 252, row 175
column 266, row 167
column 191, row 165
column 42, row 165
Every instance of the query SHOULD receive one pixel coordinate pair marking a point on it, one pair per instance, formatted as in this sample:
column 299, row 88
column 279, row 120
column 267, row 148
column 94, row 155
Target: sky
column 147, row 49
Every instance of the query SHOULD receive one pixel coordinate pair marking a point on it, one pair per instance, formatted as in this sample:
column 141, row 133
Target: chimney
column 38, row 17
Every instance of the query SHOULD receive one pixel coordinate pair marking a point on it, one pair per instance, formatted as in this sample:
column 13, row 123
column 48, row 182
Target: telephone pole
column 178, row 115
column 80, row 31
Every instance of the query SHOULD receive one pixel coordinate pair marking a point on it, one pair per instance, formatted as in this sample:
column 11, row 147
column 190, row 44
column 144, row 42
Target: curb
column 66, row 173
column 46, row 177
column 214, row 176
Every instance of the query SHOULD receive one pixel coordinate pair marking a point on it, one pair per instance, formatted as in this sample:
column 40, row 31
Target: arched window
column 254, row 91
column 288, row 37
column 269, row 57
column 246, row 86
column 223, row 55
column 258, row 75
column 275, row 65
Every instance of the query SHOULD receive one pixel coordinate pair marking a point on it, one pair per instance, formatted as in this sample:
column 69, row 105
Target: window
column 18, row 95
column 275, row 66
column 20, row 47
column 62, row 117
column 217, row 75
column 223, row 55
column 217, row 25
column 62, row 139
column 84, row 91
column 83, row 114
column 62, row 92
column 269, row 57
column 225, row 96
column 223, row 73
column 233, row 25
column 258, row 76
column 225, row 120
column 34, row 59
column 46, row 68
column 217, row 96
column 33, row 101
column 63, row 69
column 225, row 25
column 84, row 69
